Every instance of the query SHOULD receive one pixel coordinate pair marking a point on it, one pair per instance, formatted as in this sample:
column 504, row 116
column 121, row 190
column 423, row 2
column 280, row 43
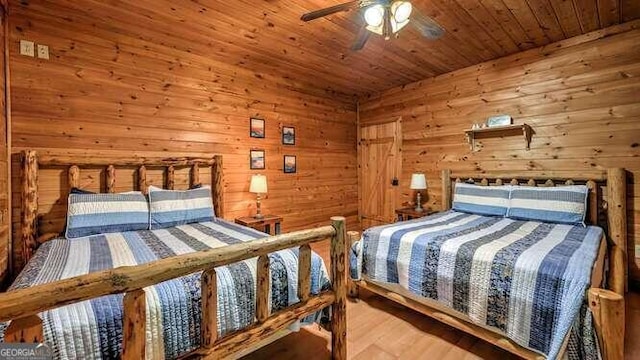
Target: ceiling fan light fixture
column 374, row 15
column 401, row 11
column 397, row 26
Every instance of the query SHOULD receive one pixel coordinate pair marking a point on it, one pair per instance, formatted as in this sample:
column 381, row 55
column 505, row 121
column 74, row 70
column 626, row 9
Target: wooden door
column 380, row 164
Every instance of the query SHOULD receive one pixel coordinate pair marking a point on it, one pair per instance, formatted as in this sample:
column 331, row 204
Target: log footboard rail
column 23, row 305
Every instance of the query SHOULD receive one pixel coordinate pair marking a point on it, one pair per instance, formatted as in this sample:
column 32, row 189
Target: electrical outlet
column 26, row 48
column 43, row 52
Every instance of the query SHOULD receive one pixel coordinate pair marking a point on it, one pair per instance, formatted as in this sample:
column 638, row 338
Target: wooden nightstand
column 266, row 224
column 411, row 213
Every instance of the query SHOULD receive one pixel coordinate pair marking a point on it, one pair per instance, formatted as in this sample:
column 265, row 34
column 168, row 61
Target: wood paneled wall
column 112, row 87
column 5, row 246
column 580, row 95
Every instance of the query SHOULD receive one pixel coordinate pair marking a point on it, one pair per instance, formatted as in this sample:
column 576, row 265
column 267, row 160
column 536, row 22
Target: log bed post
column 217, row 186
column 592, row 203
column 73, row 177
column 263, row 289
column 617, row 219
column 304, row 272
column 352, row 287
column 111, row 179
column 338, row 281
column 27, row 329
column 446, row 189
column 142, row 179
column 194, row 179
column 209, row 284
column 29, row 213
column 134, row 335
column 170, row 174
column 608, row 319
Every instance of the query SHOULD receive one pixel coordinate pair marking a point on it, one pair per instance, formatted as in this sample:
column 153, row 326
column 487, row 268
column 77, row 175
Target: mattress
column 93, row 329
column 523, row 279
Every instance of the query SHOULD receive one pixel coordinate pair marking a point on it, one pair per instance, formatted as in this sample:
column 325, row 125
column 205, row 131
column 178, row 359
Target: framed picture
column 288, row 135
column 289, row 164
column 499, row 120
column 256, row 128
column 256, row 159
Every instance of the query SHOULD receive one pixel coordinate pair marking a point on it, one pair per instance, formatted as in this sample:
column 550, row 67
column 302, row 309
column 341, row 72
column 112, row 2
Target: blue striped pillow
column 482, row 200
column 562, row 204
column 174, row 207
column 90, row 214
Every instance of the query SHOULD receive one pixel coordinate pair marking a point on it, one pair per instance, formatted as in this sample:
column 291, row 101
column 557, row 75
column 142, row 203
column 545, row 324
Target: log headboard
column 32, row 163
column 604, row 208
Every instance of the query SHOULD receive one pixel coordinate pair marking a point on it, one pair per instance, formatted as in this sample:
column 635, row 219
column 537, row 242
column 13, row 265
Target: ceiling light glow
column 374, row 15
column 401, row 10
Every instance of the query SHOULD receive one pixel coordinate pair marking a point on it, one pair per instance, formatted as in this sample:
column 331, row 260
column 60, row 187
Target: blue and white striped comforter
column 525, row 279
column 93, row 329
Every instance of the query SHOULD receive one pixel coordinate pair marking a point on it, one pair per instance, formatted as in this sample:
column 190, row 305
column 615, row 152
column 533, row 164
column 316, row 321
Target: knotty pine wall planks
column 112, row 88
column 581, row 96
column 5, row 221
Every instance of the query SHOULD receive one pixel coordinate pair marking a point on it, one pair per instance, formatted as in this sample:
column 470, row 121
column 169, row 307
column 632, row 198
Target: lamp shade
column 418, row 182
column 258, row 184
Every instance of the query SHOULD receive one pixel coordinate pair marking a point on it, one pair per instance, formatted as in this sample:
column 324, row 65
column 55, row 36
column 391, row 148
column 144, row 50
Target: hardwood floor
column 379, row 329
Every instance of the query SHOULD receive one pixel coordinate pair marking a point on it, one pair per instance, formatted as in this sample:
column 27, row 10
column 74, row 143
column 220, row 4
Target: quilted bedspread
column 524, row 279
column 93, row 329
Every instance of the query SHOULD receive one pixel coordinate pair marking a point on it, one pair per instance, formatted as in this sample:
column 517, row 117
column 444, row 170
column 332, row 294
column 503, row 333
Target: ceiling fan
column 382, row 17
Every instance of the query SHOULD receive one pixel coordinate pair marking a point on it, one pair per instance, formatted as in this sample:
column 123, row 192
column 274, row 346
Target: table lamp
column 258, row 186
column 418, row 182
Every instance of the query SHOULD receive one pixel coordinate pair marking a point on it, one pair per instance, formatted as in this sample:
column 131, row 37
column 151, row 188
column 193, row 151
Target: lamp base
column 418, row 203
column 258, row 214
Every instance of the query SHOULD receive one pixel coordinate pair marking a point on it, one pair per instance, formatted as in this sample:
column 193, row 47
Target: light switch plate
column 43, row 52
column 27, row 48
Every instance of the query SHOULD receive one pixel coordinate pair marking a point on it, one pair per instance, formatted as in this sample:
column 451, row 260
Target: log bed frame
column 23, row 305
column 605, row 302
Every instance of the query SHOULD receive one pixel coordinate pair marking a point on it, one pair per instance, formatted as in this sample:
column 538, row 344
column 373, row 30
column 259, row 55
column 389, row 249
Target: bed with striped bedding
column 93, row 329
column 524, row 279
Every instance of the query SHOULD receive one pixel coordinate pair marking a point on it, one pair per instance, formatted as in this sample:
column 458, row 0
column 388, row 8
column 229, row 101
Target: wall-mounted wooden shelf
column 499, row 131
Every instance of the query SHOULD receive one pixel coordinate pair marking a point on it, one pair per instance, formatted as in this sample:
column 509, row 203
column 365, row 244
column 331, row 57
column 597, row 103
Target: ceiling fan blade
column 427, row 26
column 328, row 11
column 361, row 39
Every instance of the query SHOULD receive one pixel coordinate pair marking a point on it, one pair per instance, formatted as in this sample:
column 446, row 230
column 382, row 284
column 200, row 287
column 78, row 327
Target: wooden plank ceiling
column 268, row 37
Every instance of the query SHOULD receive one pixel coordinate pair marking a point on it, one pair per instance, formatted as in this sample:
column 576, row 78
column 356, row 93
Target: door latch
column 395, row 181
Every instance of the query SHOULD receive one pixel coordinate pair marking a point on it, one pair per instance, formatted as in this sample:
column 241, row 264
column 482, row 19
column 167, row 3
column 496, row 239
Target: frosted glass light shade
column 418, row 182
column 258, row 184
column 401, row 11
column 374, row 15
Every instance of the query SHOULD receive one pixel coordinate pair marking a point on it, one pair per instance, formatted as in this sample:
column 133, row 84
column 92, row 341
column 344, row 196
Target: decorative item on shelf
column 256, row 159
column 256, row 128
column 288, row 135
column 258, row 186
column 499, row 120
column 289, row 164
column 418, row 182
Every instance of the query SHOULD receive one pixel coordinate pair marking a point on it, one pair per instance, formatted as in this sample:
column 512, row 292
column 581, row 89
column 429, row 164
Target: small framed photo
column 256, row 128
column 288, row 135
column 289, row 164
column 256, row 159
column 499, row 120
